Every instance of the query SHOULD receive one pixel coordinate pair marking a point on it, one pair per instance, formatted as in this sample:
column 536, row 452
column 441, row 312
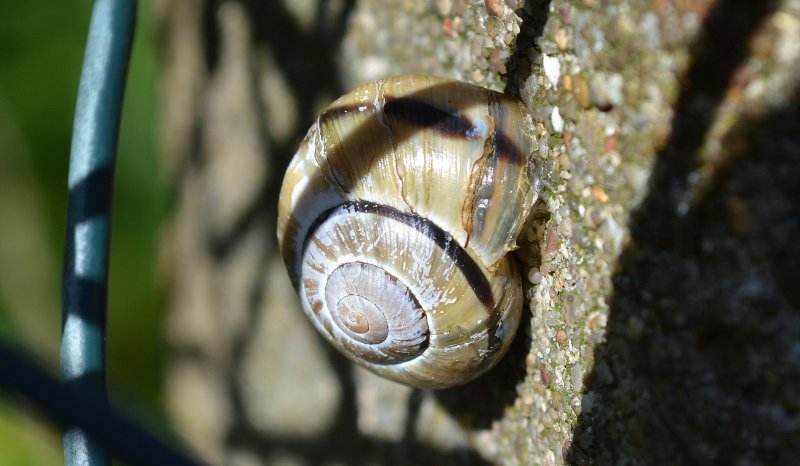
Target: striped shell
column 395, row 218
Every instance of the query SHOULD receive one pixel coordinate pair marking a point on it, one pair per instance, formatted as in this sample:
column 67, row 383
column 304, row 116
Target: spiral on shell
column 395, row 219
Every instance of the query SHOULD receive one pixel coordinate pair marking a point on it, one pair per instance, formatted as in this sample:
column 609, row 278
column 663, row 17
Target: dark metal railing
column 91, row 182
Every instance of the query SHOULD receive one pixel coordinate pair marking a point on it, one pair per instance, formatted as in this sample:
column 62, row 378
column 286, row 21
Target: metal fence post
column 91, row 179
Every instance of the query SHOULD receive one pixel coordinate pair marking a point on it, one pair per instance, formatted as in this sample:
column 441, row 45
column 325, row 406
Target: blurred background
column 41, row 49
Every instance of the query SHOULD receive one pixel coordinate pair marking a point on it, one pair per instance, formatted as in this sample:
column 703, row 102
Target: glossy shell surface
column 395, row 219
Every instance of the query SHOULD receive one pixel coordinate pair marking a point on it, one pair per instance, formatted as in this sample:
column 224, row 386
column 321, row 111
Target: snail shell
column 395, row 218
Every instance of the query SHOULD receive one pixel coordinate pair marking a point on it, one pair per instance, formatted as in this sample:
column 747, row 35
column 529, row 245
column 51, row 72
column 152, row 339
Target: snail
column 396, row 216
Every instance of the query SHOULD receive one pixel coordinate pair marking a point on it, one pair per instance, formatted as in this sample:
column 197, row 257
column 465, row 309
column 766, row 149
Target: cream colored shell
column 395, row 219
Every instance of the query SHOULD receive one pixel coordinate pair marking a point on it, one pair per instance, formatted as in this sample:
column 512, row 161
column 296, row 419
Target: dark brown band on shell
column 419, row 114
column 332, row 113
column 466, row 264
column 506, row 150
column 412, row 112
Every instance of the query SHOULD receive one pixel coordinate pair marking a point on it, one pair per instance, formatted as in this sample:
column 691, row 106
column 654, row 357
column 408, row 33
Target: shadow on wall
column 308, row 61
column 701, row 362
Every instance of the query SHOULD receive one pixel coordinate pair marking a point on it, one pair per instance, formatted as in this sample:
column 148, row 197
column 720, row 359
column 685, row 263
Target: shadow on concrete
column 711, row 276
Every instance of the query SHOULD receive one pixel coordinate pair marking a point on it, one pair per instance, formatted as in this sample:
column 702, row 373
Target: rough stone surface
column 661, row 261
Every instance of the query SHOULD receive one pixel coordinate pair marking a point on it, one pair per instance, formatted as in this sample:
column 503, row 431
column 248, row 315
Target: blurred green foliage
column 41, row 49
